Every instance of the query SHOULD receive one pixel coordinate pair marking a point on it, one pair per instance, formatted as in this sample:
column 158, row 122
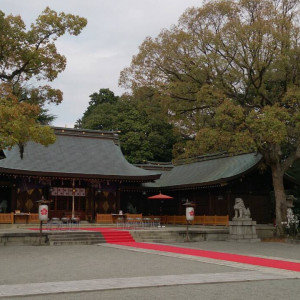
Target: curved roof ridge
column 208, row 172
column 205, row 157
column 75, row 155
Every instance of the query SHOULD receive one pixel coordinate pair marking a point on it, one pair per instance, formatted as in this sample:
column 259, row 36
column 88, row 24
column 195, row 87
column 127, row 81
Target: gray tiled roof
column 207, row 172
column 75, row 153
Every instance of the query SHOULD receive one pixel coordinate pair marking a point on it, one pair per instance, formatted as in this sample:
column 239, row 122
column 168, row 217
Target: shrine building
column 87, row 168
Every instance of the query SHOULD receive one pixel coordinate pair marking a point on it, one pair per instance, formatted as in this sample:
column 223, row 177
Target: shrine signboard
column 61, row 191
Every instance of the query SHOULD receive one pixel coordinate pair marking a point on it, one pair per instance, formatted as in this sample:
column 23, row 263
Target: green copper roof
column 210, row 170
column 76, row 153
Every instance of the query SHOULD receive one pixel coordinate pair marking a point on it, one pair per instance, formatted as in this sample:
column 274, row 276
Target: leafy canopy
column 143, row 130
column 18, row 122
column 26, row 57
column 230, row 71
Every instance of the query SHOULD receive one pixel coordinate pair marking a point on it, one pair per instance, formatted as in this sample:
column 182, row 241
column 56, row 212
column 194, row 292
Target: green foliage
column 103, row 96
column 143, row 131
column 231, row 73
column 27, row 56
column 18, row 122
column 229, row 67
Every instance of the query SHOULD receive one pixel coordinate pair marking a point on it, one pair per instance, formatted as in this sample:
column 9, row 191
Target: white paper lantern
column 190, row 213
column 43, row 212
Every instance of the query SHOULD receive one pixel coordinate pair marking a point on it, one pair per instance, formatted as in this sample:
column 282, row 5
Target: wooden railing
column 33, row 219
column 174, row 220
column 9, row 218
column 199, row 220
column 6, row 218
column 104, row 219
column 211, row 220
column 134, row 215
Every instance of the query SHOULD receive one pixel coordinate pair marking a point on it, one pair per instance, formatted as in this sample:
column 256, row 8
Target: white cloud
column 95, row 58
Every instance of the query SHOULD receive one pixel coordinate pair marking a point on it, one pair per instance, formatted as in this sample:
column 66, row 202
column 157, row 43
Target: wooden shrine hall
column 89, row 167
column 88, row 163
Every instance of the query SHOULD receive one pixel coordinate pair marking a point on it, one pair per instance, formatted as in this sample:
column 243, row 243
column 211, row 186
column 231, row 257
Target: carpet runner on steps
column 113, row 235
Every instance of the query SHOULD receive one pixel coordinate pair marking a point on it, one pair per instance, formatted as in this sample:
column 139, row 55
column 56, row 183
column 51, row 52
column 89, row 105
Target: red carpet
column 123, row 237
column 257, row 261
column 112, row 235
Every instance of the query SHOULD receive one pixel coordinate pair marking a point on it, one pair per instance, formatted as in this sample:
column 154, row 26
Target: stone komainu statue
column 240, row 211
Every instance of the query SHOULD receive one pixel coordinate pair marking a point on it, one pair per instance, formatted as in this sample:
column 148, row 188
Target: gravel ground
column 26, row 264
column 266, row 290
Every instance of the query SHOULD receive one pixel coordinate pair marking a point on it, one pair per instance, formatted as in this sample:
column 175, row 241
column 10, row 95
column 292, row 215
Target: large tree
column 143, row 130
column 231, row 71
column 26, row 57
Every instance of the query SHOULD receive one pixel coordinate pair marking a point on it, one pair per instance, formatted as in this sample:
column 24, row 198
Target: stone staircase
column 75, row 238
column 158, row 236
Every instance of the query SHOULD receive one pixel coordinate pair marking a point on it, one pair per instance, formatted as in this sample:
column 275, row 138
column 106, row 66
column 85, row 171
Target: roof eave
column 208, row 183
column 145, row 178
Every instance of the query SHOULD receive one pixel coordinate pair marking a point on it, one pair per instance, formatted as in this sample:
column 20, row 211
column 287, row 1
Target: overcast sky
column 95, row 58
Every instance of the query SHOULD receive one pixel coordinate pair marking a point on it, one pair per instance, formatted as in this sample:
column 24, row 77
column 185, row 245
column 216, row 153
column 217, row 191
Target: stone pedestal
column 242, row 229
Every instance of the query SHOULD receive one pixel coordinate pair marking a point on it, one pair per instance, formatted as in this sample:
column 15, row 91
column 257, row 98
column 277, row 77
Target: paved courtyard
column 117, row 272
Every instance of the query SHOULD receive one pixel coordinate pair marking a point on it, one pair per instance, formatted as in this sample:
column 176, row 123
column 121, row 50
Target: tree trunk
column 280, row 198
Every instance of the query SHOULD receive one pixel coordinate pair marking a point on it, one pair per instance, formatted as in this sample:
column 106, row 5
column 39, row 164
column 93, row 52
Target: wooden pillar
column 228, row 203
column 118, row 200
column 209, row 203
column 91, row 190
column 13, row 197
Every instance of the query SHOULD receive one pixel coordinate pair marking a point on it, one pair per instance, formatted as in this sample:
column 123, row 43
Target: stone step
column 81, row 242
column 154, row 234
column 77, row 239
column 74, row 235
column 164, row 241
column 157, row 237
column 143, row 232
column 74, row 242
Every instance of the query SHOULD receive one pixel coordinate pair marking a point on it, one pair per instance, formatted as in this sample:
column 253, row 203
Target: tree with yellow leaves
column 26, row 57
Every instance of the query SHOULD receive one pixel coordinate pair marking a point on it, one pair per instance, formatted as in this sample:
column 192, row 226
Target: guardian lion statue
column 240, row 211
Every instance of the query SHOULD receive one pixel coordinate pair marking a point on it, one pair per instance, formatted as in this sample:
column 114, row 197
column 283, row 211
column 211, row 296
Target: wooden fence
column 104, row 219
column 198, row 220
column 6, row 218
column 9, row 218
column 174, row 220
column 108, row 219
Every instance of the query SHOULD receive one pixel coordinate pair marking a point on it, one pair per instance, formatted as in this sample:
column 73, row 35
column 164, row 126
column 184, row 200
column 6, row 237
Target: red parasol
column 160, row 196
